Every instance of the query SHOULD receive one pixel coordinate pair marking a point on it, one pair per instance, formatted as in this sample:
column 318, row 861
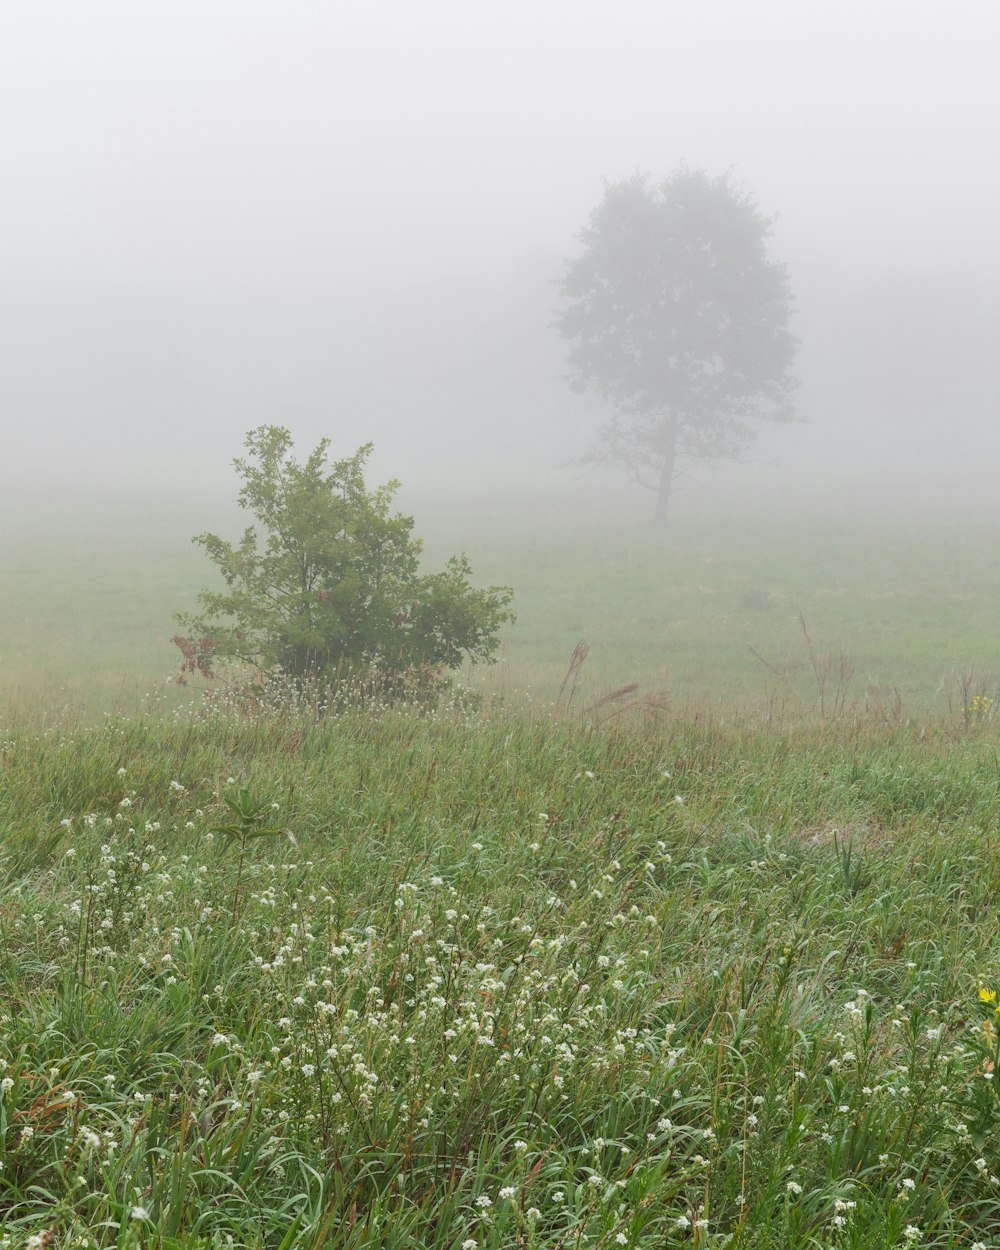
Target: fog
column 347, row 217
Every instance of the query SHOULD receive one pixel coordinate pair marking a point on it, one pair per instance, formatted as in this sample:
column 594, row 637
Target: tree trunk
column 666, row 477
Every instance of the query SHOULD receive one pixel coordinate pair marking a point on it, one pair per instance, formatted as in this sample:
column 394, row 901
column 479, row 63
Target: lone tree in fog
column 327, row 585
column 679, row 319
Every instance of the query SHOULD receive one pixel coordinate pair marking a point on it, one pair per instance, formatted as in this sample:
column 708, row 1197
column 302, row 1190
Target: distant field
column 711, row 616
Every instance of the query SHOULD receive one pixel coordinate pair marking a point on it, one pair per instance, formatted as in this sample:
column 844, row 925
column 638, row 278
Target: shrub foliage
column 328, row 579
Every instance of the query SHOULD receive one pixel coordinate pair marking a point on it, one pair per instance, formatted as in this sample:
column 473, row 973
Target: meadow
column 900, row 604
column 553, row 972
column 405, row 981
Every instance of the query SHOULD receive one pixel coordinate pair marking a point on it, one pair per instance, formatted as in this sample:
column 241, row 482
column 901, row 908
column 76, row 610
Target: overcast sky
column 345, row 216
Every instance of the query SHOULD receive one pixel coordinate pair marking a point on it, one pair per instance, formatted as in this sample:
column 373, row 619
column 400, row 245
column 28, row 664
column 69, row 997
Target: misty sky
column 346, row 217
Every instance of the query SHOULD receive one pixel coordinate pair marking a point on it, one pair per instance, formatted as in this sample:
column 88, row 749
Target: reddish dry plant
column 197, row 653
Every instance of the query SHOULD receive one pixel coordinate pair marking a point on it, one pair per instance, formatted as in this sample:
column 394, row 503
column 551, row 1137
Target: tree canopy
column 328, row 578
column 678, row 318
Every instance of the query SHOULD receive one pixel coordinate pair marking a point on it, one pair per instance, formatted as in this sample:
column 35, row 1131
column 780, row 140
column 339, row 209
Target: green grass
column 544, row 978
column 712, row 616
column 511, row 982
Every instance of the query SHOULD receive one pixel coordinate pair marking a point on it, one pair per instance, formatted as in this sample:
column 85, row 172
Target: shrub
column 328, row 584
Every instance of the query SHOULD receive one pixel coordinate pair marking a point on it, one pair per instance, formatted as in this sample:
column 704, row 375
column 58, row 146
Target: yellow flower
column 988, row 996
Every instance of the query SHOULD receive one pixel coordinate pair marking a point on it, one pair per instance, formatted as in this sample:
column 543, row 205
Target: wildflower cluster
column 540, row 1021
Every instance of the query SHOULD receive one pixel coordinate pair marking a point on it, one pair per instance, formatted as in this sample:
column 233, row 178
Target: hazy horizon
column 347, row 219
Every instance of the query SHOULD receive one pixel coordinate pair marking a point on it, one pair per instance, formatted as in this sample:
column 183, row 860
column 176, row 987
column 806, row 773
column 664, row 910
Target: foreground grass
column 515, row 983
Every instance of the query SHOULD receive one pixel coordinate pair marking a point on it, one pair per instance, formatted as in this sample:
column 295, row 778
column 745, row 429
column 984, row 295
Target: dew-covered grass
column 392, row 980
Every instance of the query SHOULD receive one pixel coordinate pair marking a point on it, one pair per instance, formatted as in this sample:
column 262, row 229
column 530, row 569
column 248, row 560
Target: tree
column 328, row 580
column 678, row 318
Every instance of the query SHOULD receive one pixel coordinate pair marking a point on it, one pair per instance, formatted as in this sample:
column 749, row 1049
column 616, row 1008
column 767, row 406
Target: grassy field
column 563, row 973
column 905, row 603
column 406, row 981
